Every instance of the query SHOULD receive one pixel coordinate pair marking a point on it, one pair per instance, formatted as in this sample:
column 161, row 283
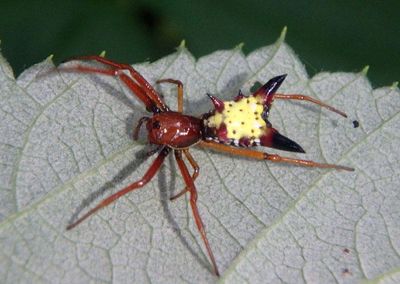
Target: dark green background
column 327, row 35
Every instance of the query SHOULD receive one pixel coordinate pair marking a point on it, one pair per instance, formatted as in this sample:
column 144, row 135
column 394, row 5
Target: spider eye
column 156, row 124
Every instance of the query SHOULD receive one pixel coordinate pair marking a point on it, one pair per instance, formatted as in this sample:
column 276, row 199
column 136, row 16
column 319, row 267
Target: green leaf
column 66, row 143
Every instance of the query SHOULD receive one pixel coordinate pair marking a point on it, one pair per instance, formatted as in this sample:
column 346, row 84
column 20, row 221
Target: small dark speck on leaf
column 346, row 272
column 346, row 250
column 356, row 123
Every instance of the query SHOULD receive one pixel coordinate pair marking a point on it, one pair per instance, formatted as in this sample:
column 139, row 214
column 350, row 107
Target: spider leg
column 150, row 91
column 268, row 94
column 153, row 169
column 307, row 98
column 180, row 91
column 135, row 135
column 193, row 203
column 196, row 170
column 179, row 194
column 141, row 81
column 271, row 157
column 132, row 85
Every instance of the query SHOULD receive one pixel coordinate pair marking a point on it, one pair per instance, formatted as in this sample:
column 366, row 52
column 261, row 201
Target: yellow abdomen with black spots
column 242, row 119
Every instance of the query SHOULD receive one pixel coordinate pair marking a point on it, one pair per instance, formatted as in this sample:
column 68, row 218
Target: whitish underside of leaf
column 65, row 142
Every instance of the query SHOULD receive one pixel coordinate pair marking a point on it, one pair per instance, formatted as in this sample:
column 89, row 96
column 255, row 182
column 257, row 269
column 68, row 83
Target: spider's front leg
column 136, row 83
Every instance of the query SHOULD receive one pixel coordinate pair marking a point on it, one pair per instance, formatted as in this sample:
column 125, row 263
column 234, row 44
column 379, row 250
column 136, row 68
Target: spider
column 232, row 127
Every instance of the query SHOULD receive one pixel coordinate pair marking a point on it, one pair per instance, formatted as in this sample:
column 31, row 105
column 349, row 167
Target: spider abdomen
column 238, row 122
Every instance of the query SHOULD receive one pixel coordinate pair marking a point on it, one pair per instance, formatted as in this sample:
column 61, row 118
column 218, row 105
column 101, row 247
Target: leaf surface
column 66, row 143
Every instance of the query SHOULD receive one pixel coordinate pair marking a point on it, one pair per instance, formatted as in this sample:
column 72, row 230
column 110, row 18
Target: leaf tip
column 50, row 57
column 102, row 54
column 283, row 34
column 182, row 45
column 239, row 46
column 365, row 70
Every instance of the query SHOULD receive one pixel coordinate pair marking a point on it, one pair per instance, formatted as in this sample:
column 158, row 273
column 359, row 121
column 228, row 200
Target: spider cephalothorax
column 244, row 121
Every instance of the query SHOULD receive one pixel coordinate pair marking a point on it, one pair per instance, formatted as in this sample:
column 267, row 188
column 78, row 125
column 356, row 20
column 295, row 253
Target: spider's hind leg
column 252, row 154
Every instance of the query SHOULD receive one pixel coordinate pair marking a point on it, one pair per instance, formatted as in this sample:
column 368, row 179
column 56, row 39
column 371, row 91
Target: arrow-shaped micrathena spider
column 231, row 127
